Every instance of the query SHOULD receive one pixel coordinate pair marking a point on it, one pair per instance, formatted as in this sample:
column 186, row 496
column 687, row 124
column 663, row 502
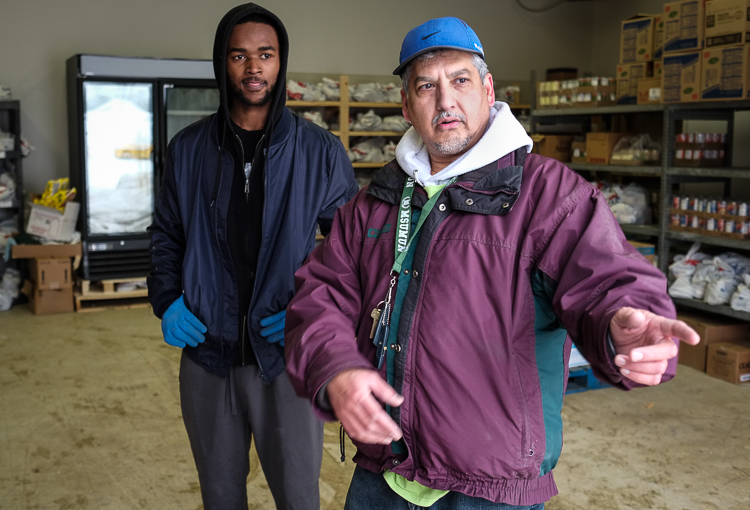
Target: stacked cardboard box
column 50, row 284
column 729, row 361
column 712, row 330
column 637, row 49
column 725, row 63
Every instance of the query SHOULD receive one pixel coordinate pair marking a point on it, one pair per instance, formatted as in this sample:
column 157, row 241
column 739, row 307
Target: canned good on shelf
column 679, row 154
column 684, row 203
column 700, row 138
column 742, row 227
column 683, row 220
column 720, row 225
column 695, row 222
column 681, row 138
column 729, row 226
column 742, row 209
column 711, row 224
column 675, row 219
column 675, row 202
column 731, row 207
column 721, row 206
column 712, row 207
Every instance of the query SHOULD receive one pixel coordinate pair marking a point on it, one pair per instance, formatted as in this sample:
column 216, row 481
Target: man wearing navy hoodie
column 243, row 192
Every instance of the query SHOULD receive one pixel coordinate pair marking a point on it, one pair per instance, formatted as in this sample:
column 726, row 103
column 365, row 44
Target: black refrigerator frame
column 124, row 255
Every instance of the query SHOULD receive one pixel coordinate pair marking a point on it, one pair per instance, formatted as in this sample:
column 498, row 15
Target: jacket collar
column 491, row 189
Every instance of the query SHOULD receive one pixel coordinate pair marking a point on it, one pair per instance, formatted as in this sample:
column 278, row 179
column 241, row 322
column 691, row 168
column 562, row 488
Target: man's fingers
column 643, row 367
column 661, row 351
column 683, row 332
column 386, row 394
column 645, row 379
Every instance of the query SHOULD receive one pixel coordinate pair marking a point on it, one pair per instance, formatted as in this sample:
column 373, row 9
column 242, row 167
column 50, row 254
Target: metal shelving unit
column 10, row 121
column 670, row 175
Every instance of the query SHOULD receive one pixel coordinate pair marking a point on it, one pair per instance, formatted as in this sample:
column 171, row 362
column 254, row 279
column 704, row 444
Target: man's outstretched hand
column 644, row 343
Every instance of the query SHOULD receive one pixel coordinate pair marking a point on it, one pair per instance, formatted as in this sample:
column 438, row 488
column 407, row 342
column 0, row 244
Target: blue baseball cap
column 439, row 33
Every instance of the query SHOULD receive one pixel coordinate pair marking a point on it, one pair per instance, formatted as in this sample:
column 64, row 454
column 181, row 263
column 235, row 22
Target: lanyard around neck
column 403, row 239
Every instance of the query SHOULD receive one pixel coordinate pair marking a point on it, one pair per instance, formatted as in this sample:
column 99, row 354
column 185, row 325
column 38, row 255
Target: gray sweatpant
column 222, row 414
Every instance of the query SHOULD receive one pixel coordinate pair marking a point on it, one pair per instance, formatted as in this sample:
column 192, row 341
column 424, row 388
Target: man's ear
column 489, row 87
column 405, row 106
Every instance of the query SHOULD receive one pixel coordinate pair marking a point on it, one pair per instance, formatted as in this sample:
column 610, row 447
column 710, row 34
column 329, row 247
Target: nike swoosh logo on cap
column 428, row 36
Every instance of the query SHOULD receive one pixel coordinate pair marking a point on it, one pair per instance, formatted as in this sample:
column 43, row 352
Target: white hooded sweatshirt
column 504, row 135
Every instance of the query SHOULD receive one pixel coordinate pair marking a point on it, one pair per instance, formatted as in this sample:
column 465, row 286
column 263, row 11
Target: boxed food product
column 637, row 39
column 627, row 80
column 658, row 37
column 711, row 330
column 52, row 224
column 730, row 362
column 51, row 274
column 725, row 74
column 727, row 22
column 45, row 251
column 645, row 249
column 681, row 77
column 683, row 25
column 553, row 146
column 578, row 152
column 599, row 147
column 649, row 91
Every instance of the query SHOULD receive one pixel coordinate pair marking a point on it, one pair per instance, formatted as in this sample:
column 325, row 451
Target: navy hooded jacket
column 307, row 176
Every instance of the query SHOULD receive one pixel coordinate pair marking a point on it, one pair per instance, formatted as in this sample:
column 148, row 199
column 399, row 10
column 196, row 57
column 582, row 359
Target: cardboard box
column 712, row 330
column 649, row 91
column 724, row 73
column 683, row 25
column 599, row 147
column 647, row 250
column 730, row 362
column 553, row 146
column 658, row 37
column 578, row 152
column 50, row 223
column 44, row 302
column 658, row 68
column 727, row 22
column 637, row 39
column 627, row 80
column 45, row 251
column 51, row 274
column 681, row 78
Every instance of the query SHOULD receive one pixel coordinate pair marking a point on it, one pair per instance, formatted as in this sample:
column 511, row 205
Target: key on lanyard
column 383, row 328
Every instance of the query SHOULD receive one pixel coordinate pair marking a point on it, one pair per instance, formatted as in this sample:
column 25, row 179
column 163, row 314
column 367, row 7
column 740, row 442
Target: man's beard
column 452, row 146
column 261, row 102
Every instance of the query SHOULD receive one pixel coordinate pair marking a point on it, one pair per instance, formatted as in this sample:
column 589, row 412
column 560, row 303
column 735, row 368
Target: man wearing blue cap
column 464, row 272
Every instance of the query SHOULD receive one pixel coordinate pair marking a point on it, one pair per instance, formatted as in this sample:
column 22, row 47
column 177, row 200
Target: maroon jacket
column 519, row 262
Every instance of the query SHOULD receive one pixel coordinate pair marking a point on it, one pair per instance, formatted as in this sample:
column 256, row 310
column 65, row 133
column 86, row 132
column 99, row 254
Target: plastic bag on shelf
column 367, row 93
column 684, row 265
column 391, row 92
column 682, row 287
column 7, row 187
column 9, row 286
column 389, row 151
column 331, row 89
column 369, row 150
column 741, row 298
column 316, row 118
column 301, row 91
column 395, row 123
column 636, row 150
column 368, row 121
column 629, row 204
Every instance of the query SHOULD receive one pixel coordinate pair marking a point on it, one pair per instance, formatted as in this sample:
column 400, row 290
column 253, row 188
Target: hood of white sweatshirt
column 504, row 135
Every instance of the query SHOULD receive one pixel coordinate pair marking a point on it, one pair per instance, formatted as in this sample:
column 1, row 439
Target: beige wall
column 327, row 36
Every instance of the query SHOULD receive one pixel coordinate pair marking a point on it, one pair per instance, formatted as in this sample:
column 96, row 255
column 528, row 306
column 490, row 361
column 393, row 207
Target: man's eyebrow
column 458, row 73
column 243, row 50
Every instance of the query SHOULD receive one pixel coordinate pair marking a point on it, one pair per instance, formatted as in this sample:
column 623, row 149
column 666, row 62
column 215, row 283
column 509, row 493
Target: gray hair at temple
column 478, row 61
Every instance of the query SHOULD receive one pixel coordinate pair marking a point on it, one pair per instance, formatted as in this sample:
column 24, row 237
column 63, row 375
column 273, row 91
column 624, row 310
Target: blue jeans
column 370, row 491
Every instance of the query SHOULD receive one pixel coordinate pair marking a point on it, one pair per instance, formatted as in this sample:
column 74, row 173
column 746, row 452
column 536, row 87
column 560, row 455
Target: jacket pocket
column 527, row 443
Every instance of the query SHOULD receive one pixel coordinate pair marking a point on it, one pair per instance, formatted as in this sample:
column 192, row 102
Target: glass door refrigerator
column 122, row 113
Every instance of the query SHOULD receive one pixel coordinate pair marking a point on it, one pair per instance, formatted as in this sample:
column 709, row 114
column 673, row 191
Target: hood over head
column 221, row 42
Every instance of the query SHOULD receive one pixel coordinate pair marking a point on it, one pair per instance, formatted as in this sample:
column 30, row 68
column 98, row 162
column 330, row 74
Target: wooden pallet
column 583, row 379
column 101, row 295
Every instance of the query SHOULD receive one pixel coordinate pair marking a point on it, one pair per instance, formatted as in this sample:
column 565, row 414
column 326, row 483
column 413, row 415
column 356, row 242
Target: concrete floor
column 90, row 419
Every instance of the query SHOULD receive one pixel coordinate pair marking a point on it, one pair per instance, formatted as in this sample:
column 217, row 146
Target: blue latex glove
column 180, row 327
column 273, row 327
column 8, row 249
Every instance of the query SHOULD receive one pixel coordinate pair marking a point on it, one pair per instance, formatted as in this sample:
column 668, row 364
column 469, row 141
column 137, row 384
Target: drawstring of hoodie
column 342, row 445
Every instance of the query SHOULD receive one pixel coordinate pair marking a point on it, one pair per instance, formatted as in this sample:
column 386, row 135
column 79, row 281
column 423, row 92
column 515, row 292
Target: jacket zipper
column 255, row 280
